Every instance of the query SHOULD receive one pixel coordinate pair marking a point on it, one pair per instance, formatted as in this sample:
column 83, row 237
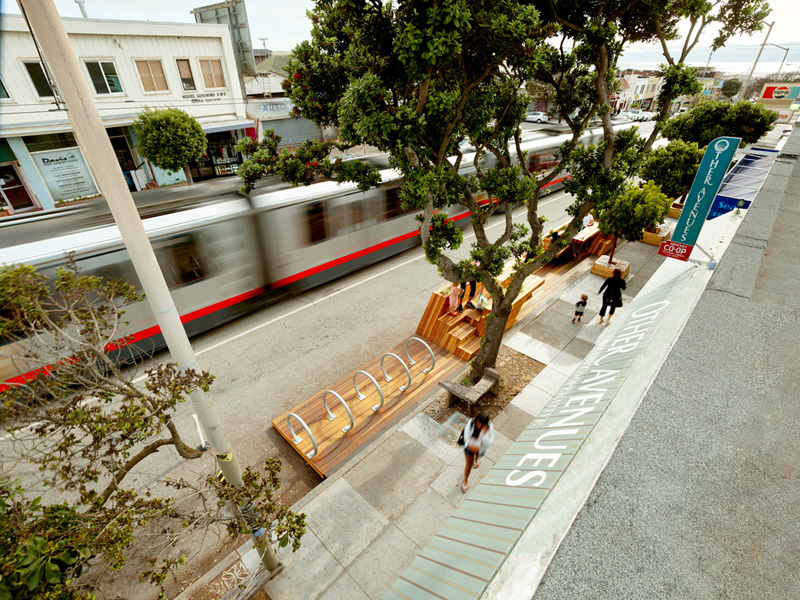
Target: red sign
column 675, row 250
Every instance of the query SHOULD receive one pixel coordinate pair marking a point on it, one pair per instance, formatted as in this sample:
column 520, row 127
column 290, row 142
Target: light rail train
column 224, row 257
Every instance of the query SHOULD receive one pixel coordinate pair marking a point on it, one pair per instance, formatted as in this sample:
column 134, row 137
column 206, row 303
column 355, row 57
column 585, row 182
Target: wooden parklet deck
column 336, row 447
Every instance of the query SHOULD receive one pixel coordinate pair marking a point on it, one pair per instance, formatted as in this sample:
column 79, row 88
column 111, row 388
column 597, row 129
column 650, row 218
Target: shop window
column 121, row 145
column 3, row 91
column 53, row 141
column 181, row 260
column 315, row 221
column 212, row 73
column 152, row 75
column 104, row 77
column 39, row 79
column 185, row 70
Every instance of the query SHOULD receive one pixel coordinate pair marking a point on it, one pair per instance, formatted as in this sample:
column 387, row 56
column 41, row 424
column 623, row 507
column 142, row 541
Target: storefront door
column 221, row 158
column 12, row 190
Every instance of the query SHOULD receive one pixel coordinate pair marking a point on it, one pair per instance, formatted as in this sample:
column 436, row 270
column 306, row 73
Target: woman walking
column 478, row 434
column 612, row 297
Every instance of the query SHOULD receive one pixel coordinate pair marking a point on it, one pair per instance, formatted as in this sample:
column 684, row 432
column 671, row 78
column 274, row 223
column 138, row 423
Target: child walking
column 579, row 306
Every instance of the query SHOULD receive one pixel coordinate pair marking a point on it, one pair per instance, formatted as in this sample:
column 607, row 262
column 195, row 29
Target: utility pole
column 750, row 75
column 47, row 27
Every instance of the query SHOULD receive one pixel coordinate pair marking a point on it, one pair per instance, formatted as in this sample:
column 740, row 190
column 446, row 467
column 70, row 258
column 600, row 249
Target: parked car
column 537, row 117
column 624, row 115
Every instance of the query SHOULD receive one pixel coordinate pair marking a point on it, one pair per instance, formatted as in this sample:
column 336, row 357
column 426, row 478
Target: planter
column 4, row 213
column 603, row 269
column 654, row 238
column 675, row 211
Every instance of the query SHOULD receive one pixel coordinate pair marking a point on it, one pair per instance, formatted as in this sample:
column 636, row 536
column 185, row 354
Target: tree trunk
column 188, row 173
column 613, row 247
column 492, row 339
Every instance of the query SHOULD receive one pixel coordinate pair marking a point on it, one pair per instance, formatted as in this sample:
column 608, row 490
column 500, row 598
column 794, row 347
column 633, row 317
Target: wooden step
column 468, row 348
column 461, row 331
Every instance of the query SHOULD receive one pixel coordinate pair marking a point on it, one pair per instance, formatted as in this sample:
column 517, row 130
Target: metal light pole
column 785, row 54
column 750, row 75
column 47, row 27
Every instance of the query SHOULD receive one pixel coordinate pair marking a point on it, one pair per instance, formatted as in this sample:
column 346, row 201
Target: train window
column 337, row 218
column 181, row 260
column 315, row 219
column 393, row 207
column 356, row 210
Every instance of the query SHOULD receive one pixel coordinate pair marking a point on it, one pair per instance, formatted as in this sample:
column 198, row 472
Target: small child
column 454, row 298
column 579, row 306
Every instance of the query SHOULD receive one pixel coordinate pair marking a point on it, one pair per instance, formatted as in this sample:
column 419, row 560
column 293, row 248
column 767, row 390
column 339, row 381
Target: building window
column 185, row 70
column 3, row 91
column 39, row 79
column 104, row 77
column 152, row 75
column 212, row 73
column 53, row 141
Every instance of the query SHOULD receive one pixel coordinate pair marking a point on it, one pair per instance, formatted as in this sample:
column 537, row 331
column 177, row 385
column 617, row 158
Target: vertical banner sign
column 716, row 159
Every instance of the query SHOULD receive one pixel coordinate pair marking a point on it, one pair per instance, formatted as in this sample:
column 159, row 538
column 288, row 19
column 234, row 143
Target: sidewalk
column 368, row 521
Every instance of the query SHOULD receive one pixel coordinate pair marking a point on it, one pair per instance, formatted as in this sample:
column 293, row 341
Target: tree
column 713, row 118
column 732, row 17
column 673, row 167
column 638, row 209
column 169, row 138
column 730, row 88
column 88, row 426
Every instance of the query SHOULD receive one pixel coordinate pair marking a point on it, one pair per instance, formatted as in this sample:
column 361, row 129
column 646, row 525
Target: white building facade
column 130, row 65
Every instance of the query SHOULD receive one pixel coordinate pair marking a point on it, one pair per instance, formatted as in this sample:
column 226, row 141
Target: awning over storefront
column 217, row 126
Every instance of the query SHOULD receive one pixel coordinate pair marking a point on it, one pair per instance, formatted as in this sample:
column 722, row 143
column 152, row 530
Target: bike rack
column 332, row 416
column 413, row 362
column 362, row 396
column 387, row 378
column 296, row 438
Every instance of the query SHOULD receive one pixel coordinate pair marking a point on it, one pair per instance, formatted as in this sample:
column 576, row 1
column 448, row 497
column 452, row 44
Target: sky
column 284, row 24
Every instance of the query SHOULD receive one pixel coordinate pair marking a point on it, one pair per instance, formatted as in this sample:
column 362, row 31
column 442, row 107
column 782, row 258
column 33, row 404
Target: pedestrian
column 612, row 297
column 454, row 297
column 472, row 287
column 588, row 220
column 478, row 434
column 579, row 306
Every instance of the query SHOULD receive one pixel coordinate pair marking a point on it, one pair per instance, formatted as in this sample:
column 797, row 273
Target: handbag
column 461, row 437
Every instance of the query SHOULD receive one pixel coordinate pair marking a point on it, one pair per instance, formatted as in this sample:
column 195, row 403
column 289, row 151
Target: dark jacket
column 613, row 287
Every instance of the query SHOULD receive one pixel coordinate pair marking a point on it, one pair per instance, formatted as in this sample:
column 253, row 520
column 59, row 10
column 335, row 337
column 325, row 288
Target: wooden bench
column 489, row 383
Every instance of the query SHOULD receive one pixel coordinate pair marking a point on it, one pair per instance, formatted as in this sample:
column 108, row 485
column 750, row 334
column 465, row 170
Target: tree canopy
column 713, row 118
column 87, row 426
column 169, row 138
column 730, row 87
column 673, row 167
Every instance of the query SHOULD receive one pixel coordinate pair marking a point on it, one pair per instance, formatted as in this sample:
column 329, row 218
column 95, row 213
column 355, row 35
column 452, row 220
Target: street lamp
column 797, row 74
column 750, row 75
column 782, row 61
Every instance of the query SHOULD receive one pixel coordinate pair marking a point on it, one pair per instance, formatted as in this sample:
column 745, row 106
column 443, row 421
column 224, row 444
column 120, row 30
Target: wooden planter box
column 602, row 268
column 655, row 238
column 675, row 211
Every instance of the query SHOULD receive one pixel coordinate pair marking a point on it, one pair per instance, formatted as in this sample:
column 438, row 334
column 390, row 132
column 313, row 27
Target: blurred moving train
column 223, row 257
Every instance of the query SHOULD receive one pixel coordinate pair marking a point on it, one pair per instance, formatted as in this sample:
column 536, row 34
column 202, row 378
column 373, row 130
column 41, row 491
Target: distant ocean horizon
column 729, row 68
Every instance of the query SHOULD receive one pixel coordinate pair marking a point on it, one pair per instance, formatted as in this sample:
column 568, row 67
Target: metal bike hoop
column 332, row 416
column 296, row 438
column 362, row 396
column 402, row 362
column 413, row 362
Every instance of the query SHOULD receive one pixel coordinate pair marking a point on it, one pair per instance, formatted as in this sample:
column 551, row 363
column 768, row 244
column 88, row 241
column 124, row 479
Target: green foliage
column 673, row 167
column 730, row 87
column 169, row 137
column 677, row 80
column 637, row 209
column 713, row 119
column 87, row 424
column 304, row 165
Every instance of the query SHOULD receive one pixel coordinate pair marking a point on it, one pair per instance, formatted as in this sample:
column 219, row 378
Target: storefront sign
column 706, row 184
column 205, row 96
column 65, row 173
column 271, row 108
column 781, row 92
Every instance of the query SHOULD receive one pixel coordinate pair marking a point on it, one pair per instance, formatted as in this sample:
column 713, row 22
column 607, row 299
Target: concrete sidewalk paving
column 368, row 521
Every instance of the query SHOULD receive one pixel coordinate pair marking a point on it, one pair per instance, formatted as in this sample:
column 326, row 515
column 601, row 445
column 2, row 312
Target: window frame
column 36, row 61
column 160, row 61
column 99, row 62
column 191, row 73
column 222, row 71
column 9, row 97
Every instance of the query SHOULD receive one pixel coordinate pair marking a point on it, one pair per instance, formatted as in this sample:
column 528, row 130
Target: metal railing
column 362, row 396
column 402, row 362
column 413, row 362
column 296, row 438
column 332, row 416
